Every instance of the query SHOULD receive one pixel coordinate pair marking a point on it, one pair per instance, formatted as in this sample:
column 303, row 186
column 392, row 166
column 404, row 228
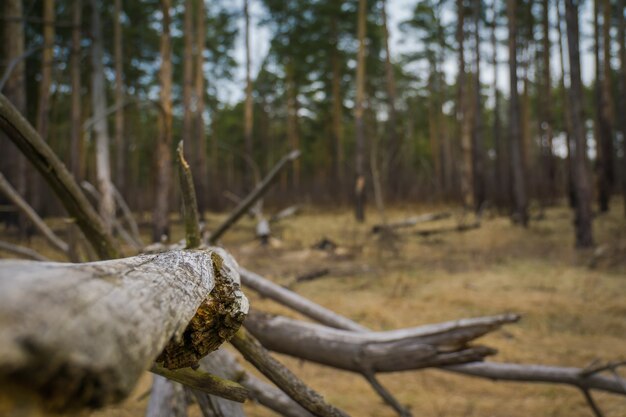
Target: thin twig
column 190, row 205
column 284, row 379
column 128, row 215
column 592, row 403
column 205, row 382
column 386, row 395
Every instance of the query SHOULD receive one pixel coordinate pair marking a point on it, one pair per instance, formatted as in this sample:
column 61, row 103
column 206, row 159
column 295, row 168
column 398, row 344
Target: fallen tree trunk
column 78, row 336
column 411, row 221
column 442, row 230
column 390, row 351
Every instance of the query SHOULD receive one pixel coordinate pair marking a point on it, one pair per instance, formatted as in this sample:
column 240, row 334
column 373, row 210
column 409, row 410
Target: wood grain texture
column 80, row 335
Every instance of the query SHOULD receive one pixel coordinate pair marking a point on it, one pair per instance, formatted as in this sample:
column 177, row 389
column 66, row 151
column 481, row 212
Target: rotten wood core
column 75, row 336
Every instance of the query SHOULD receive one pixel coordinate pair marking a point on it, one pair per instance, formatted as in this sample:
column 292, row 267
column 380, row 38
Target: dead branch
column 284, row 213
column 190, row 206
column 79, row 335
column 311, row 275
column 117, row 226
column 167, row 399
column 24, row 136
column 540, row 373
column 257, row 193
column 391, row 351
column 204, row 382
column 411, row 221
column 22, row 251
column 296, row 302
column 28, row 211
column 256, row 354
column 224, row 364
column 128, row 216
column 442, row 230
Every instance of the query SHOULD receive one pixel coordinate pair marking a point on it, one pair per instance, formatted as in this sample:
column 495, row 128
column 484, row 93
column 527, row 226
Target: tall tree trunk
column 248, row 122
column 434, row 108
column 76, row 121
column 12, row 162
column 501, row 167
column 160, row 217
column 478, row 156
column 517, row 168
column 463, row 116
column 43, row 101
column 359, row 187
column 621, row 29
column 100, row 127
column 567, row 113
column 583, row 218
column 337, row 107
column 187, row 134
column 546, row 120
column 392, row 171
column 201, row 176
column 120, row 143
column 605, row 147
column 293, row 135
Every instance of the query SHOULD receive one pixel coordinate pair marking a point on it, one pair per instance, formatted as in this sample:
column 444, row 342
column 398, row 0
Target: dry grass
column 572, row 313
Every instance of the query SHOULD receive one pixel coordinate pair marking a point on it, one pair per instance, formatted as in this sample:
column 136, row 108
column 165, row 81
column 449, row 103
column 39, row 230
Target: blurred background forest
column 113, row 86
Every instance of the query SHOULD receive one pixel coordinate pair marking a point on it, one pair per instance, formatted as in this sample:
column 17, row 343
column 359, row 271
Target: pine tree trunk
column 606, row 146
column 621, row 29
column 463, row 116
column 393, row 171
column 76, row 117
column 100, row 127
column 293, row 135
column 248, row 117
column 517, row 168
column 478, row 156
column 160, row 218
column 190, row 145
column 201, row 174
column 583, row 218
column 359, row 187
column 12, row 162
column 120, row 144
column 546, row 121
column 337, row 109
column 501, row 167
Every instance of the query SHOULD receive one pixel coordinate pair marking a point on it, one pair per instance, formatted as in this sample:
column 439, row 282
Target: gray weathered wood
column 167, row 399
column 411, row 221
column 390, row 351
column 25, row 208
column 22, row 251
column 80, row 335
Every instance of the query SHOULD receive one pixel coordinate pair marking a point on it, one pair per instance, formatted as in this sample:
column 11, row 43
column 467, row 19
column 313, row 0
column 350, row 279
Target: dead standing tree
column 71, row 361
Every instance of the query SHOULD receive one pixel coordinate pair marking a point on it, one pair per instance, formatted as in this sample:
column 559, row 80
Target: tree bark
column 24, row 136
column 120, row 144
column 248, row 116
column 517, row 168
column 583, row 214
column 359, row 186
column 96, row 327
column 392, row 171
column 12, row 162
column 546, row 120
column 337, row 106
column 621, row 34
column 201, row 173
column 501, row 179
column 160, row 215
column 605, row 149
column 463, row 113
column 75, row 64
column 478, row 148
column 391, row 351
column 100, row 126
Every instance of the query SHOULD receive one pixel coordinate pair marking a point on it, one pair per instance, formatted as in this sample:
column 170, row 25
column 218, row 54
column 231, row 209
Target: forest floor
column 572, row 302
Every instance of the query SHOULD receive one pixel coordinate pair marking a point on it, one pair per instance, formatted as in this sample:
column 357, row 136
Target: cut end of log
column 216, row 321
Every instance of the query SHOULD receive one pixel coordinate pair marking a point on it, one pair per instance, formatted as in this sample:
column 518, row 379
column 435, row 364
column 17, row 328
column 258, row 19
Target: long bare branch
column 25, row 208
column 22, row 251
column 26, row 138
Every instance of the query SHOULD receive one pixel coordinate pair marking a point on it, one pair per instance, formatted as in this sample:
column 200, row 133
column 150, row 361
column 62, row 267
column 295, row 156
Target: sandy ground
column 573, row 303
